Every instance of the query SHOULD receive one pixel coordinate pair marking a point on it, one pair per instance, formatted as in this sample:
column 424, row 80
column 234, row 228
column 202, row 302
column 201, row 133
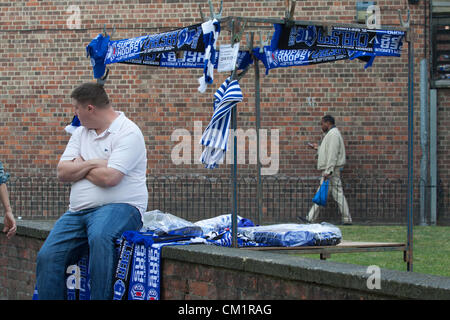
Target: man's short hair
column 328, row 118
column 91, row 93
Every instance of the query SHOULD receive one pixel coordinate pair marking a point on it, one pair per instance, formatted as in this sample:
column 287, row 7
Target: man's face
column 325, row 125
column 83, row 112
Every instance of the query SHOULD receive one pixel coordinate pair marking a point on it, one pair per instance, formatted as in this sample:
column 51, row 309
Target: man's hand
column 78, row 160
column 314, row 146
column 9, row 222
column 326, row 176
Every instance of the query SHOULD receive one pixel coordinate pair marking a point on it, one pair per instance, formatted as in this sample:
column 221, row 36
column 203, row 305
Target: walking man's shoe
column 303, row 220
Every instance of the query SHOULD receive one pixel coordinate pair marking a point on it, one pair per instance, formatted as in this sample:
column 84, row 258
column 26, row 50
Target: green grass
column 431, row 248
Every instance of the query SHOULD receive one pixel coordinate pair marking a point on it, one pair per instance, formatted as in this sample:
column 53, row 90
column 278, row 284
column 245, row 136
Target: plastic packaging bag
column 220, row 223
column 294, row 235
column 322, row 194
column 163, row 224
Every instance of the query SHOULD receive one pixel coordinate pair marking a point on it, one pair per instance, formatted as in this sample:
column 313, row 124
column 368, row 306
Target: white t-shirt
column 123, row 145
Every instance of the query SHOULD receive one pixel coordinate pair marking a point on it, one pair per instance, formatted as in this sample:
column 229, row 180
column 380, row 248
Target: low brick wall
column 211, row 272
column 18, row 259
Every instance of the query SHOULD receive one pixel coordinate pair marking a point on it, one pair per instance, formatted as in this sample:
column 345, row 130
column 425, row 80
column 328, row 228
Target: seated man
column 105, row 160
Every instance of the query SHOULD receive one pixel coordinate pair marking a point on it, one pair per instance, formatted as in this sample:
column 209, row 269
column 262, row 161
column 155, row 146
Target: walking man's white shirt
column 87, row 144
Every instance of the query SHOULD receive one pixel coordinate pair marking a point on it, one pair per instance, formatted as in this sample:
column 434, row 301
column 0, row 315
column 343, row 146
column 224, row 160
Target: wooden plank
column 331, row 250
column 345, row 246
column 369, row 244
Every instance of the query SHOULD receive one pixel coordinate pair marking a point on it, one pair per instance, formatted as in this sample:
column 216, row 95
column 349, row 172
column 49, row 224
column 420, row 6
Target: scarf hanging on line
column 215, row 136
column 299, row 45
column 211, row 30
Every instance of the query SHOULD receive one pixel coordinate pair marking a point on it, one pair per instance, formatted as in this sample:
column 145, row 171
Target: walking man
column 105, row 160
column 331, row 161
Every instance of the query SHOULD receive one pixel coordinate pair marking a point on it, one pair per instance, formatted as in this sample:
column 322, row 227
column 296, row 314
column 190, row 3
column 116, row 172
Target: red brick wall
column 42, row 60
column 443, row 140
column 18, row 267
column 188, row 281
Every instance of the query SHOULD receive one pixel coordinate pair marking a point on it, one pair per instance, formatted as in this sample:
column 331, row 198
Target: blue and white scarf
column 73, row 125
column 215, row 136
column 138, row 275
column 211, row 30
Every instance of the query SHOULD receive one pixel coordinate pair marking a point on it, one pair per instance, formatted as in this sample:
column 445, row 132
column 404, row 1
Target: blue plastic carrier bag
column 322, row 194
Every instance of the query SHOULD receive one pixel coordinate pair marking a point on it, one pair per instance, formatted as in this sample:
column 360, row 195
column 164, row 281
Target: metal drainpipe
column 410, row 198
column 423, row 141
column 433, row 156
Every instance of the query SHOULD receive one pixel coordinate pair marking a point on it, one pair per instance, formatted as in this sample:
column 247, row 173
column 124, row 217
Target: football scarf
column 380, row 42
column 186, row 39
column 187, row 59
column 306, row 45
column 73, row 125
column 139, row 267
column 143, row 49
column 211, row 30
column 215, row 136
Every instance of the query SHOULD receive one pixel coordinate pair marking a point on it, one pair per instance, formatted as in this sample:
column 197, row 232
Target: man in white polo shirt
column 106, row 161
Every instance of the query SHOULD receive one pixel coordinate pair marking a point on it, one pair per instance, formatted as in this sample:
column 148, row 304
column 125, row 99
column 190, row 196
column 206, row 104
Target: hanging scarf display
column 102, row 51
column 306, row 45
column 280, row 58
column 185, row 39
column 146, row 50
column 211, row 30
column 215, row 136
column 379, row 42
column 188, row 59
column 96, row 50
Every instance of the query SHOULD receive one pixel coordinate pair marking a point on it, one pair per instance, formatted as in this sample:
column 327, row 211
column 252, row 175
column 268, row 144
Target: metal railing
column 370, row 199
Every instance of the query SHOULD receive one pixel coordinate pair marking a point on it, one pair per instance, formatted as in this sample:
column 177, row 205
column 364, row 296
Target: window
column 440, row 44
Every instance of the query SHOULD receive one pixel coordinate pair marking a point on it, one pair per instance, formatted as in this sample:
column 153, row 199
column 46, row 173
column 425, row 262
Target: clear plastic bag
column 162, row 224
column 220, row 223
column 294, row 235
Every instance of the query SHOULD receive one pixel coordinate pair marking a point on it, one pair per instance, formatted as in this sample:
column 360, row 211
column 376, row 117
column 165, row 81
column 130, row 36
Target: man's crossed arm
column 94, row 170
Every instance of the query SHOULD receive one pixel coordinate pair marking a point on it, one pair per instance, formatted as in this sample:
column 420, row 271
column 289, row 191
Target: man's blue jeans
column 72, row 235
